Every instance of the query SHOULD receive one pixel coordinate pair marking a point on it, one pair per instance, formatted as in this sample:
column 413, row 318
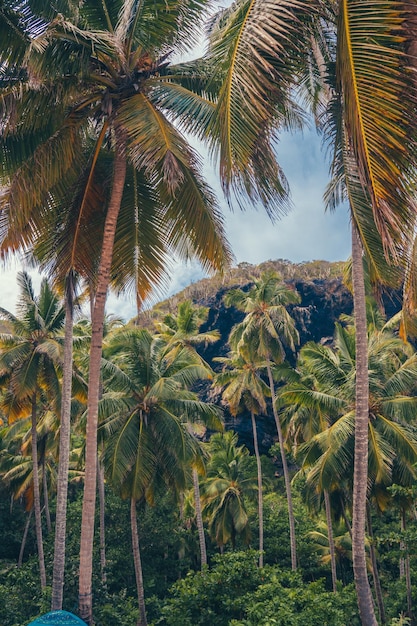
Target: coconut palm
column 329, row 454
column 229, row 482
column 310, row 410
column 147, row 405
column 29, row 355
column 182, row 331
column 243, row 389
column 104, row 75
column 352, row 61
column 260, row 338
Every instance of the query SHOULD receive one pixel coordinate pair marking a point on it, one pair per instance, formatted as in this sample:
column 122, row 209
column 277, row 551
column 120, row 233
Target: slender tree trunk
column 46, row 498
column 402, row 560
column 24, row 538
column 375, row 572
column 199, row 519
column 138, row 565
column 64, row 453
column 286, row 472
column 102, row 505
column 345, row 517
column 181, row 506
column 360, row 474
column 331, row 539
column 36, row 496
column 407, row 570
column 260, row 494
column 90, row 481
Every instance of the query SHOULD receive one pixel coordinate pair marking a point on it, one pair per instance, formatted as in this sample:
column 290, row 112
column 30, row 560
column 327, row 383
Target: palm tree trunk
column 138, row 564
column 24, row 538
column 331, row 540
column 345, row 518
column 199, row 520
column 407, row 570
column 286, row 472
column 402, row 560
column 375, row 573
column 64, row 453
column 360, row 474
column 260, row 494
column 45, row 497
column 36, row 496
column 102, row 506
column 90, row 481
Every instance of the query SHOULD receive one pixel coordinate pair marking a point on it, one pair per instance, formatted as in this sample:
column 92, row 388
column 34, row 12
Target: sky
column 306, row 233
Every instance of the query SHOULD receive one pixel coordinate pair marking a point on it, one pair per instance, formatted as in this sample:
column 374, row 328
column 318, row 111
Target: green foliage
column 235, row 591
column 400, row 621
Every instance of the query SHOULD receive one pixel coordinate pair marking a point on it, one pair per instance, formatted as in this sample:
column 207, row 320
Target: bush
column 235, row 591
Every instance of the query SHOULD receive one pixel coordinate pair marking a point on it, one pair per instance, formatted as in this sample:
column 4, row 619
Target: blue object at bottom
column 58, row 618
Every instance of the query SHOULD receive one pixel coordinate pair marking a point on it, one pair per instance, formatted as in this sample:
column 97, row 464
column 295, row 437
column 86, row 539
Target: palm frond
column 372, row 77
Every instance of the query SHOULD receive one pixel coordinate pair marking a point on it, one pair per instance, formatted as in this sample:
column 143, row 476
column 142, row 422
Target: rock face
column 323, row 299
column 322, row 302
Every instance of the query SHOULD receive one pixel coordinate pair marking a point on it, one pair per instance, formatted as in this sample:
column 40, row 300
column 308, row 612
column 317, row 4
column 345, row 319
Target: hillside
column 324, row 297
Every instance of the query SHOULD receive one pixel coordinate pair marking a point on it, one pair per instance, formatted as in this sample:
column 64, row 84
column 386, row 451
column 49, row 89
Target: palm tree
column 329, row 455
column 228, row 483
column 29, row 355
column 182, row 331
column 310, row 409
column 104, row 77
column 243, row 389
column 147, row 405
column 260, row 338
column 352, row 60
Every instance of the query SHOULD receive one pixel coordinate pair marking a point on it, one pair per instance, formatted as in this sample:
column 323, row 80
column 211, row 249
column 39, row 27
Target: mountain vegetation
column 172, row 414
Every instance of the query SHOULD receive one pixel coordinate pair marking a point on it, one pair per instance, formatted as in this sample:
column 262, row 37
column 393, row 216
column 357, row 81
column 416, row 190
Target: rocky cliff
column 324, row 297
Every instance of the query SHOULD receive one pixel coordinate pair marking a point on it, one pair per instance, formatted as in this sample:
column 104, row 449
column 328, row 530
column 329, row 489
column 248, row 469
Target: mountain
column 324, row 297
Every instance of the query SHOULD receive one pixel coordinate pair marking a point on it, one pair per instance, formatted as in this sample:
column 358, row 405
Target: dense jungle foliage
column 231, row 589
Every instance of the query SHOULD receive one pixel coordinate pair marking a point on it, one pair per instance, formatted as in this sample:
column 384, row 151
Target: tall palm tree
column 352, row 59
column 147, row 406
column 229, row 482
column 29, row 355
column 103, row 75
column 310, row 411
column 329, row 455
column 243, row 389
column 182, row 331
column 260, row 338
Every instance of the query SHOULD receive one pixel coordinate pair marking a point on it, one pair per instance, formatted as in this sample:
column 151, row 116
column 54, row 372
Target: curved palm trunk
column 90, row 482
column 260, row 494
column 375, row 572
column 24, row 538
column 199, row 520
column 138, row 565
column 360, row 474
column 36, row 496
column 64, row 454
column 286, row 472
column 345, row 518
column 331, row 540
